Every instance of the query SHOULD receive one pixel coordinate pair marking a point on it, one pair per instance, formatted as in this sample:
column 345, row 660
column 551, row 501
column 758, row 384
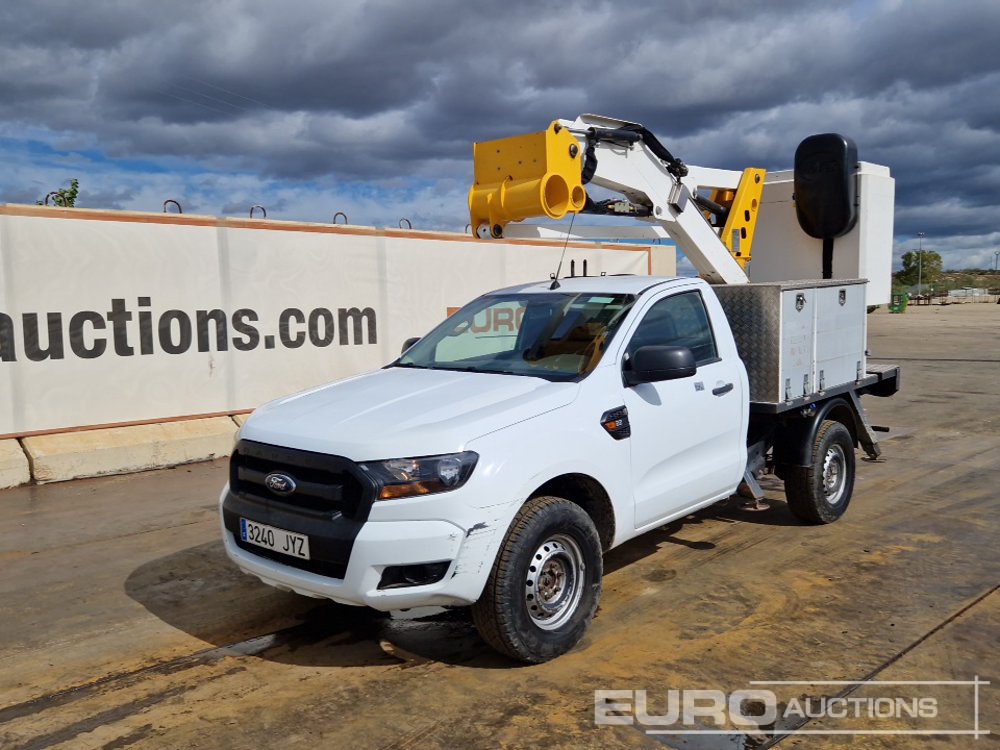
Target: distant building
column 968, row 291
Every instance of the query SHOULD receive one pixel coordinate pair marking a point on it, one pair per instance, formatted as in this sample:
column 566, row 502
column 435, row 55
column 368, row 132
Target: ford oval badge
column 279, row 484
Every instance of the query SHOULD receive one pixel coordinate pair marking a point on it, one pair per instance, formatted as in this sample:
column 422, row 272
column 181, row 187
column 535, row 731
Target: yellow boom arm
column 524, row 176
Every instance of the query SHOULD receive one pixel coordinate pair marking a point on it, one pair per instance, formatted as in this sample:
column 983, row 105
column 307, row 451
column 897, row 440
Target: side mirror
column 651, row 364
column 409, row 342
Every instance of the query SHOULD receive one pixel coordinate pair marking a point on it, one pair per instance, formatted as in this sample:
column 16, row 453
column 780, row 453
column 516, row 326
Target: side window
column 680, row 320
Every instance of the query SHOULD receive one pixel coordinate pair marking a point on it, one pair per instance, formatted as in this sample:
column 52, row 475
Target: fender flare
column 793, row 441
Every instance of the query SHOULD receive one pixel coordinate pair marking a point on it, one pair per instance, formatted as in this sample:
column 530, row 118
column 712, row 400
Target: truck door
column 686, row 433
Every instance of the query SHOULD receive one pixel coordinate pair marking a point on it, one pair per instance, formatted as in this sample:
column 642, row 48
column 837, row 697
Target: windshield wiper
column 465, row 368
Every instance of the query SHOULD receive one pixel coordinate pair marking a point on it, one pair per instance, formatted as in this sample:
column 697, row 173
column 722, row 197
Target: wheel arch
column 590, row 495
column 793, row 442
column 841, row 411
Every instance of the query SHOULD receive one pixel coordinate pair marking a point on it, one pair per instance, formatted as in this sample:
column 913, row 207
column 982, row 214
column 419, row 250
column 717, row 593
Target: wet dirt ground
column 122, row 625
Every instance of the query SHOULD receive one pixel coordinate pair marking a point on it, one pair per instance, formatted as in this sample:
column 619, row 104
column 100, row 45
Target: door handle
column 722, row 390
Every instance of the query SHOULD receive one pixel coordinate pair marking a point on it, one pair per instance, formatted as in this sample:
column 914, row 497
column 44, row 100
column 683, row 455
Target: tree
column 926, row 270
column 65, row 197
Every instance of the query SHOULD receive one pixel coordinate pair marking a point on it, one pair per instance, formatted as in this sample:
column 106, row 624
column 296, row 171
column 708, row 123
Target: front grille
column 324, row 484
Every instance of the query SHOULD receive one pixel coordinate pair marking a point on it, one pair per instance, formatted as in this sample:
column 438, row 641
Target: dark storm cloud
column 383, row 89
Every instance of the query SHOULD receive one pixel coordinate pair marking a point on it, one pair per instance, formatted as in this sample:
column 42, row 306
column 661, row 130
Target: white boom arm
column 642, row 177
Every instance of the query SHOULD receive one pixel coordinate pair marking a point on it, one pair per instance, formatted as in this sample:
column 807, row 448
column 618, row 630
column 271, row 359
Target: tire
column 535, row 618
column 820, row 493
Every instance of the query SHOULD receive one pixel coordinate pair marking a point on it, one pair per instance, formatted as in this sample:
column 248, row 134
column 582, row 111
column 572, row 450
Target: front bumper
column 375, row 546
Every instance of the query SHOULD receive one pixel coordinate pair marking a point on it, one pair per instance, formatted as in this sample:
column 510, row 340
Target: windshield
column 555, row 335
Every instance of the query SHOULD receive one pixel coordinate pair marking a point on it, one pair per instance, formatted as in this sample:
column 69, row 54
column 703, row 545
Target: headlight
column 405, row 477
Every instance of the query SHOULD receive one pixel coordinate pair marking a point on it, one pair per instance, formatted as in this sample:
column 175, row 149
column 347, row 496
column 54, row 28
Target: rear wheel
column 545, row 584
column 821, row 492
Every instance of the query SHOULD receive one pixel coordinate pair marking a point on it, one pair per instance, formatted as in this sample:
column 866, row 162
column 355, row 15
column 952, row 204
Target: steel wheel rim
column 554, row 582
column 834, row 474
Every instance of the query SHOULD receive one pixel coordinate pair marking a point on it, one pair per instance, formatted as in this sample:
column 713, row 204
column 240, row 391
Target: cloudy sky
column 370, row 107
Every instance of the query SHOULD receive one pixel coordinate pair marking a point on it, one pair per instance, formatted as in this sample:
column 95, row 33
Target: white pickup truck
column 493, row 465
column 503, row 453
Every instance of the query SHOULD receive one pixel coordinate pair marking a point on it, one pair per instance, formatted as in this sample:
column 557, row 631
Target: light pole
column 996, row 255
column 920, row 263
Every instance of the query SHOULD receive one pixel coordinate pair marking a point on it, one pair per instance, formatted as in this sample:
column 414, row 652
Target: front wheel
column 821, row 492
column 545, row 584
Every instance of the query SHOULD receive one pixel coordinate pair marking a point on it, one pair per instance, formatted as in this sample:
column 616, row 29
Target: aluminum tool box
column 799, row 340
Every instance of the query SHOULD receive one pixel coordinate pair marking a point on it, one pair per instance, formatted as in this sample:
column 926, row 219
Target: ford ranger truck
column 495, row 462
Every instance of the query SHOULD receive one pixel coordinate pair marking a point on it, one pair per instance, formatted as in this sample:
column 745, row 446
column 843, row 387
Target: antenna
column 555, row 279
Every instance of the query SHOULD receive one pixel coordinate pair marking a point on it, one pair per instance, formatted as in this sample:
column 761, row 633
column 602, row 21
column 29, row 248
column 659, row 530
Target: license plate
column 269, row 537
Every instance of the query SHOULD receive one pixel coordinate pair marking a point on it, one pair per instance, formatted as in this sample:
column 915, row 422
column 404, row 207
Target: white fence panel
column 116, row 318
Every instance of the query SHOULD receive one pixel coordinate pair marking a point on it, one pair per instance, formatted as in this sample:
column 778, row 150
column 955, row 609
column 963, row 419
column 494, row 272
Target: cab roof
column 634, row 285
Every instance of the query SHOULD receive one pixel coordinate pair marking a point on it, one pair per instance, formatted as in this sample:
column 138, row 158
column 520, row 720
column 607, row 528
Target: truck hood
column 401, row 412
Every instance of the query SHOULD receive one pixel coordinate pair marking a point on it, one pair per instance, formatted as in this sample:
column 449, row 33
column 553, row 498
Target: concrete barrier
column 119, row 450
column 14, row 468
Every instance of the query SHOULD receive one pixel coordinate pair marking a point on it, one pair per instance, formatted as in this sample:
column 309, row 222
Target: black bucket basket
column 826, row 190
